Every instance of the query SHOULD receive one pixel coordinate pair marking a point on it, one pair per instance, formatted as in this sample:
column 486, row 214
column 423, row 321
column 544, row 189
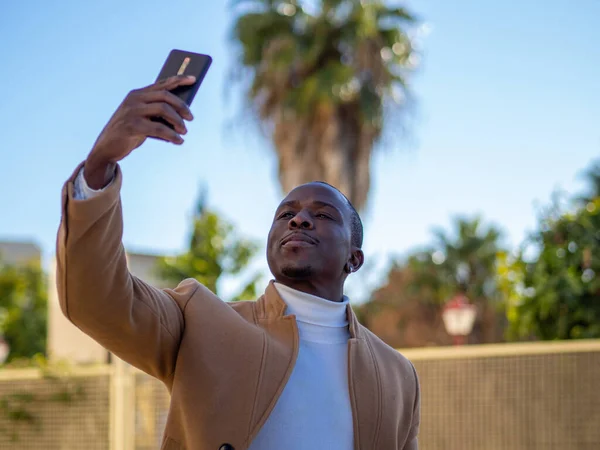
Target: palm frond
column 337, row 72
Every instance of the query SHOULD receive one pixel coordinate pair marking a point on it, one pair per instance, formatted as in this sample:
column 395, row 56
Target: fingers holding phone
column 161, row 106
column 181, row 63
column 132, row 123
column 155, row 94
column 157, row 111
column 171, row 82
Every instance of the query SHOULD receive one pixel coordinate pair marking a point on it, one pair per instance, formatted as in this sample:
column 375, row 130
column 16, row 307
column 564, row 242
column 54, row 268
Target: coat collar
column 363, row 374
column 271, row 306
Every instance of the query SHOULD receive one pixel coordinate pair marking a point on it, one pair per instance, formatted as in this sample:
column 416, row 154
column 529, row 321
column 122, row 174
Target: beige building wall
column 65, row 340
column 17, row 253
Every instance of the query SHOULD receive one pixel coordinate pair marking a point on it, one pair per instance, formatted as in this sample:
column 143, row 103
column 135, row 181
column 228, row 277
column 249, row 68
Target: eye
column 323, row 216
column 286, row 215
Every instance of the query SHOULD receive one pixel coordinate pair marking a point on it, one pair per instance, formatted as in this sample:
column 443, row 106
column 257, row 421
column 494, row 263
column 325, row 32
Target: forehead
column 311, row 193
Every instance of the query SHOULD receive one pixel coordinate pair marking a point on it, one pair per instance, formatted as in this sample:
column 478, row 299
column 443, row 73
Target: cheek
column 272, row 236
column 342, row 239
column 338, row 246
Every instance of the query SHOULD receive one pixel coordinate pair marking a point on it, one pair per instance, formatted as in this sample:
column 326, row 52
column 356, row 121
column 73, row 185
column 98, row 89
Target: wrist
column 97, row 173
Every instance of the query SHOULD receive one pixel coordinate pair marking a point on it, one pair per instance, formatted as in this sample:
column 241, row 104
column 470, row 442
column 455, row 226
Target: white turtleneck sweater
column 313, row 411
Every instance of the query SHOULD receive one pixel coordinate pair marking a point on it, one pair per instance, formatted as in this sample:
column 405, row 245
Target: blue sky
column 508, row 110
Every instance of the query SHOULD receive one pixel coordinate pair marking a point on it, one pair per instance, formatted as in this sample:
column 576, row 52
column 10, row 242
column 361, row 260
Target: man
column 293, row 370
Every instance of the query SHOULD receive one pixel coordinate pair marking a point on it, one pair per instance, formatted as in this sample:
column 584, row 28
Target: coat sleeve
column 411, row 442
column 137, row 322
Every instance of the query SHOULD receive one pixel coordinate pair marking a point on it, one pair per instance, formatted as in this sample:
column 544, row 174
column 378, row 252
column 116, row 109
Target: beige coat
column 225, row 365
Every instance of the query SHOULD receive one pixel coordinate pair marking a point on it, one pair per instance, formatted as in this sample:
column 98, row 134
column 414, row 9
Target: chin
column 297, row 271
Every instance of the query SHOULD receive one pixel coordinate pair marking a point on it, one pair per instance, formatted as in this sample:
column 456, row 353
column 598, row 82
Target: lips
column 298, row 237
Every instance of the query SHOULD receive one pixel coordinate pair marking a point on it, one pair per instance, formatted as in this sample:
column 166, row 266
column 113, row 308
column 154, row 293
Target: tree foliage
column 23, row 309
column 461, row 260
column 321, row 78
column 553, row 295
column 558, row 294
column 214, row 250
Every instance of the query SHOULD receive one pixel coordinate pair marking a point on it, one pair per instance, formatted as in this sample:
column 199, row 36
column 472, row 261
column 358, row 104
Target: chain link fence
column 51, row 412
column 510, row 397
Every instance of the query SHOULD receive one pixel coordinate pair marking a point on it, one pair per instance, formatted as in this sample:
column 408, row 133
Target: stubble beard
column 297, row 272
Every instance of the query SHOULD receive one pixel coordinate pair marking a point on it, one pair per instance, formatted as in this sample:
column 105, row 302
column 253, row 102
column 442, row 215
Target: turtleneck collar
column 318, row 319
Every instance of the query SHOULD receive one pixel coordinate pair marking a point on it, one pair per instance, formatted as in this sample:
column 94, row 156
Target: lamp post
column 459, row 317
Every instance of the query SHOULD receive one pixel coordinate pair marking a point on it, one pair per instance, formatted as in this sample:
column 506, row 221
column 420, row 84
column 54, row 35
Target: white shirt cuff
column 82, row 191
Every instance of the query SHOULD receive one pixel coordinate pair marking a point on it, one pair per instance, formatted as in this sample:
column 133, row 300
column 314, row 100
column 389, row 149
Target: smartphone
column 180, row 62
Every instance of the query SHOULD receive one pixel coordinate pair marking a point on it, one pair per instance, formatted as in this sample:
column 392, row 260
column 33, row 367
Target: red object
column 459, row 317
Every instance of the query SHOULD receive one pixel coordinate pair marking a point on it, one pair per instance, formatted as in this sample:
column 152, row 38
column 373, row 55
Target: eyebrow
column 296, row 203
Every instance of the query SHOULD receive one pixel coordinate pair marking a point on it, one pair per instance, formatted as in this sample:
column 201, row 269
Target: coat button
column 226, row 447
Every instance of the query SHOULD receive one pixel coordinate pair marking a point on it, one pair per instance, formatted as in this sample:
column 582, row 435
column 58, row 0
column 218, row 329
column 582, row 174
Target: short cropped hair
column 356, row 226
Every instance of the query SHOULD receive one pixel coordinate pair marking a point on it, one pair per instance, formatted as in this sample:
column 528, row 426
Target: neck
column 334, row 293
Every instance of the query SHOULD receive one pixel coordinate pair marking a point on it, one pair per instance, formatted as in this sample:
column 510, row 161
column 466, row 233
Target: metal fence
column 510, row 396
column 51, row 412
column 151, row 406
column 492, row 397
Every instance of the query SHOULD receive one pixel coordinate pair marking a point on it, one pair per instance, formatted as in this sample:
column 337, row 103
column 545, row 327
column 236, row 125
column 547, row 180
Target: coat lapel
column 365, row 387
column 278, row 358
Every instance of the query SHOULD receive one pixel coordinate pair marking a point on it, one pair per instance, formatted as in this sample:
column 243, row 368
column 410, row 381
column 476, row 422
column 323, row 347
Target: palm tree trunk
column 329, row 147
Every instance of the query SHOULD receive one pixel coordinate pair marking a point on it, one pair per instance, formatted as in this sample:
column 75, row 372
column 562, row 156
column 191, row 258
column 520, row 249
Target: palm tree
column 407, row 310
column 463, row 261
column 320, row 79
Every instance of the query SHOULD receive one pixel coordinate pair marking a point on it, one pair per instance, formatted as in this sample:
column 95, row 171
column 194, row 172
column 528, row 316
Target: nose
column 302, row 221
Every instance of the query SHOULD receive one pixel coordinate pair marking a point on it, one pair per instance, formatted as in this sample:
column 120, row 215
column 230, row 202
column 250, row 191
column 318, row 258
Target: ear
column 357, row 259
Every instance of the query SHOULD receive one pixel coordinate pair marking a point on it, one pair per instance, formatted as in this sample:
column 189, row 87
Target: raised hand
column 132, row 123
